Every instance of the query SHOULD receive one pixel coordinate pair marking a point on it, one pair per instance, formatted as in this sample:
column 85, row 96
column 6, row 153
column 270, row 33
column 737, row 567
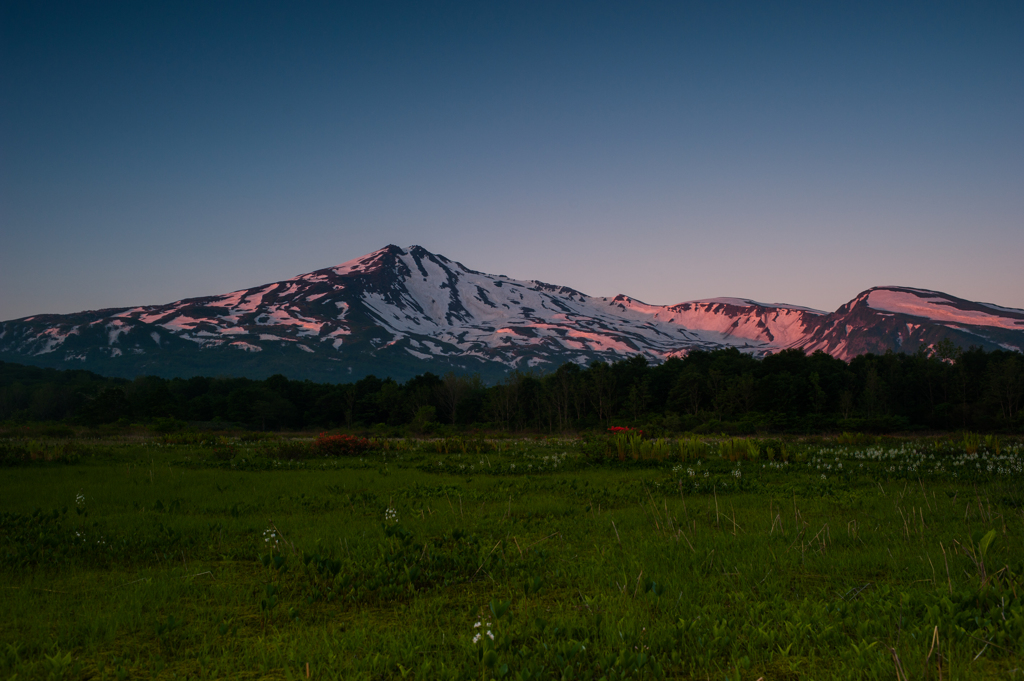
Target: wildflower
column 390, row 515
column 80, row 500
column 487, row 632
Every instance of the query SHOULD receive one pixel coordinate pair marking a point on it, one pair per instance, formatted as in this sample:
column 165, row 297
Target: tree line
column 717, row 391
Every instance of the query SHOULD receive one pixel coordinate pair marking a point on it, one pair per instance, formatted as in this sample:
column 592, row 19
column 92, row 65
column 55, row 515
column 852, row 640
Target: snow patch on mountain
column 115, row 328
column 928, row 304
column 53, row 338
column 423, row 305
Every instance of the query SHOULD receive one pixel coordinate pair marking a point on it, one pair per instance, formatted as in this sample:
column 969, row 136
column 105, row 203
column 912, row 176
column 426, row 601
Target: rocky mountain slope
column 401, row 312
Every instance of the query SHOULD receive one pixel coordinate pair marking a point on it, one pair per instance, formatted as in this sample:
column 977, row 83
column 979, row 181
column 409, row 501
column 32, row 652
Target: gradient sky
column 784, row 152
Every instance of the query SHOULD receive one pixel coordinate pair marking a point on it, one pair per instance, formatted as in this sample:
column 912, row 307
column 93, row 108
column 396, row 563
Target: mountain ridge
column 403, row 311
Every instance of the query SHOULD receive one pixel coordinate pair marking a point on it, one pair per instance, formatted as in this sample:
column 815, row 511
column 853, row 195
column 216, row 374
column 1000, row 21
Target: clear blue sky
column 785, row 152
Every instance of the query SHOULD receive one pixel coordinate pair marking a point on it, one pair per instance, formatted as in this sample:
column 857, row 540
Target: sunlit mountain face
column 403, row 311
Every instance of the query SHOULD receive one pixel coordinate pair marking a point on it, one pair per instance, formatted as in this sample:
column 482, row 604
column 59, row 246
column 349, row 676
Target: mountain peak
column 402, row 311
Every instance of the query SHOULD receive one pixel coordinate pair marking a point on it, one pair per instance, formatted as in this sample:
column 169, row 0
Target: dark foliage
column 718, row 391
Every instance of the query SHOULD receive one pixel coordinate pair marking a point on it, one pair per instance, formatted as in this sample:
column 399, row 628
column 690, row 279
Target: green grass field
column 514, row 559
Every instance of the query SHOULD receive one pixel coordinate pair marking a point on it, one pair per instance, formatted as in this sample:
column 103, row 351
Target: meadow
column 254, row 556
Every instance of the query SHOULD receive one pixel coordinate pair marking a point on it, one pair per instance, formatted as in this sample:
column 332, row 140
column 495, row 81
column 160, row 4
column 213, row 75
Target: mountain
column 904, row 319
column 400, row 312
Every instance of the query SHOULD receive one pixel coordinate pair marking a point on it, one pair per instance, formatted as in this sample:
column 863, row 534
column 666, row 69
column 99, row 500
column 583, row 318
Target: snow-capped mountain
column 401, row 312
column 904, row 319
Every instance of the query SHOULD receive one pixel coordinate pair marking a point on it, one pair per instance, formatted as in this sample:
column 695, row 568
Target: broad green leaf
column 986, row 541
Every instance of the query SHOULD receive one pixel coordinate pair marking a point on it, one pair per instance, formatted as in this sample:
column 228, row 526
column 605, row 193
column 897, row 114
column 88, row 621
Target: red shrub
column 339, row 445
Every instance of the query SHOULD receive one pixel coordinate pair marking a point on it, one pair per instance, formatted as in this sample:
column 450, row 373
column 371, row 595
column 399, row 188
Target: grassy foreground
column 515, row 560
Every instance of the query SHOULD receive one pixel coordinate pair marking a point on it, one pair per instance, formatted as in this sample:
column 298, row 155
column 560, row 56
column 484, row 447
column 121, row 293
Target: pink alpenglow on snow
column 939, row 308
column 410, row 303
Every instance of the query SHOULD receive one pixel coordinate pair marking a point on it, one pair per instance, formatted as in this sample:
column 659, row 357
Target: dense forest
column 720, row 391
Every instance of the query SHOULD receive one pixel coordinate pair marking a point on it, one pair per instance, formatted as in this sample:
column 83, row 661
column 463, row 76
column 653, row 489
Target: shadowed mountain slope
column 400, row 312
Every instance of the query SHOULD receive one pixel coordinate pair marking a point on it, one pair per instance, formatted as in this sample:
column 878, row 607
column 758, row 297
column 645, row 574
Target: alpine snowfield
column 402, row 311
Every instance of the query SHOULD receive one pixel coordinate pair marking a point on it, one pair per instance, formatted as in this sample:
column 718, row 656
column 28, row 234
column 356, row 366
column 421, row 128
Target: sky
column 777, row 151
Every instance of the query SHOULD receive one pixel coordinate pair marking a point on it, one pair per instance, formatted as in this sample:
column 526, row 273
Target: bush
column 774, row 450
column 292, row 450
column 424, row 421
column 18, row 453
column 191, row 437
column 738, row 449
column 224, row 451
column 168, row 425
column 339, row 445
column 13, row 454
column 257, row 436
column 692, row 448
